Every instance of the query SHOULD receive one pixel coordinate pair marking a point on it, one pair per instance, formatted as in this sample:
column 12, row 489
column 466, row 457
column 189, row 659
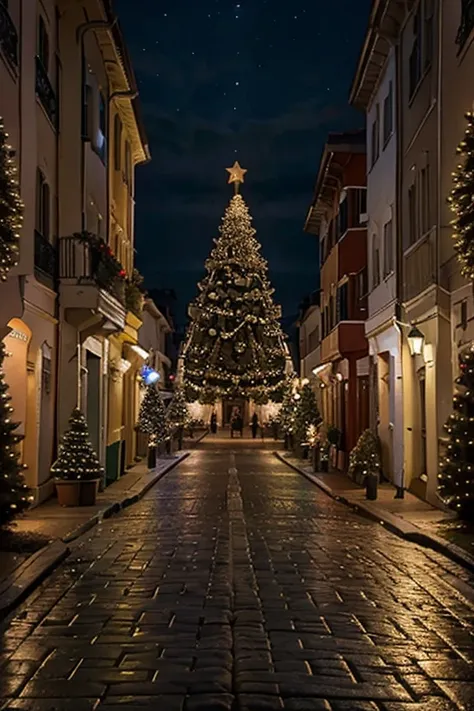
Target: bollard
column 151, row 457
column 371, row 485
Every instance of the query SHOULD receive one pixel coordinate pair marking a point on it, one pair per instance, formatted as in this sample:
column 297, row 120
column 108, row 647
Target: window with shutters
column 387, row 249
column 43, row 205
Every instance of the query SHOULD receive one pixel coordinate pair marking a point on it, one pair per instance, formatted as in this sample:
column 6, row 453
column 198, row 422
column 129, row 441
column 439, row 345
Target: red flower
column 122, row 273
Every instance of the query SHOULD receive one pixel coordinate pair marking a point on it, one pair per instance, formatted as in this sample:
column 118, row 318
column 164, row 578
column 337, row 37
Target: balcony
column 46, row 93
column 8, row 37
column 45, row 261
column 345, row 340
column 92, row 287
column 419, row 269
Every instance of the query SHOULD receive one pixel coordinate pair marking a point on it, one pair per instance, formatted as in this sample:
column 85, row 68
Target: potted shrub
column 364, row 460
column 77, row 470
column 334, row 438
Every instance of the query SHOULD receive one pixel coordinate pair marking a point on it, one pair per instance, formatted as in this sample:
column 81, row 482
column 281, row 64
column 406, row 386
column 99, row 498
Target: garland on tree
column 77, row 460
column 462, row 204
column 287, row 414
column 456, row 476
column 14, row 493
column 364, row 460
column 11, row 208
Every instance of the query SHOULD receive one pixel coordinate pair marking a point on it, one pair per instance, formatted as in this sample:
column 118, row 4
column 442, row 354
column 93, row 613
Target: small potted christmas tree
column 177, row 415
column 364, row 460
column 14, row 495
column 306, row 414
column 456, row 475
column 77, row 470
column 152, row 422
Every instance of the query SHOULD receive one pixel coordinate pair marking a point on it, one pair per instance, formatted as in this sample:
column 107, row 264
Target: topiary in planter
column 364, row 460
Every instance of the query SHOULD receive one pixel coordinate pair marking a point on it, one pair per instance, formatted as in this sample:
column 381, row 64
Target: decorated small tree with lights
column 287, row 414
column 456, row 476
column 461, row 202
column 234, row 345
column 306, row 412
column 177, row 414
column 14, row 496
column 11, row 207
column 364, row 460
column 152, row 421
column 77, row 460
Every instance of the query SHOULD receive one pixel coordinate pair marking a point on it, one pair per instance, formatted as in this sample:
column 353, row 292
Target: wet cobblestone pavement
column 235, row 584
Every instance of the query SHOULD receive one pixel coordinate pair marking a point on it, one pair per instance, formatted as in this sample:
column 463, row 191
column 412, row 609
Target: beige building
column 28, row 300
column 76, row 130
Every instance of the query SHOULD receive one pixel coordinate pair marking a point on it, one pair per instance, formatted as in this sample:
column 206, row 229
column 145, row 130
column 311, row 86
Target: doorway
column 229, row 407
column 93, row 399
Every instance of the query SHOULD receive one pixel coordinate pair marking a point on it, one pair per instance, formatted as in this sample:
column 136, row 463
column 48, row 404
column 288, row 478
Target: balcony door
column 93, row 400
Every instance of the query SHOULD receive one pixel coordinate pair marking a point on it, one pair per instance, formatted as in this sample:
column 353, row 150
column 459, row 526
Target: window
column 128, row 165
column 43, row 43
column 343, row 218
column 43, row 201
column 375, row 261
column 415, row 54
column 376, row 136
column 46, row 370
column 387, row 249
column 412, row 217
column 425, row 200
column 343, row 303
column 101, row 143
column 332, row 313
column 463, row 315
column 466, row 24
column 359, row 206
column 313, row 340
column 88, row 113
column 428, row 33
column 117, row 142
column 362, row 287
column 388, row 115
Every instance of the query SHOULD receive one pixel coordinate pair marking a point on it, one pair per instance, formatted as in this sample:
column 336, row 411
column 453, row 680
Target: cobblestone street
column 237, row 584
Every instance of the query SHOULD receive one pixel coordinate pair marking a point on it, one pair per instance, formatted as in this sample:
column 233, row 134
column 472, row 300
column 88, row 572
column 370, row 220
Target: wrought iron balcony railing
column 467, row 23
column 82, row 262
column 46, row 93
column 8, row 36
column 45, row 260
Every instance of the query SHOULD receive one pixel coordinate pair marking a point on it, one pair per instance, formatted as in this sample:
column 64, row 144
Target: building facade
column 338, row 216
column 73, row 304
column 374, row 92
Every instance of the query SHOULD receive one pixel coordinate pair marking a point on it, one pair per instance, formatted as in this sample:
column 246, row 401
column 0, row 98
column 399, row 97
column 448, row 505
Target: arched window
column 375, row 261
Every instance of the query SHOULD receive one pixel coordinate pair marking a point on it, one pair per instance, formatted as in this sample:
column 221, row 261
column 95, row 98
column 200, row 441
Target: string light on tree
column 455, row 479
column 14, row 493
column 461, row 202
column 11, row 207
column 77, row 460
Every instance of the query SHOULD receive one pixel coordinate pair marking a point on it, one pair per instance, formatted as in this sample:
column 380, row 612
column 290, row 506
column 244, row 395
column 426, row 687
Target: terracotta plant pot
column 77, row 493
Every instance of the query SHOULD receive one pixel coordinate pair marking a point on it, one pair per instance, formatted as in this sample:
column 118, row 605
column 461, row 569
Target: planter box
column 77, row 493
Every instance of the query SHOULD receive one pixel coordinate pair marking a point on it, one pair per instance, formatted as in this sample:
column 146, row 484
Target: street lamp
column 416, row 341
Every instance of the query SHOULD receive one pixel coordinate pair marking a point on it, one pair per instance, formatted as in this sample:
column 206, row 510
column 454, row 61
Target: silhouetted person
column 213, row 423
column 254, row 425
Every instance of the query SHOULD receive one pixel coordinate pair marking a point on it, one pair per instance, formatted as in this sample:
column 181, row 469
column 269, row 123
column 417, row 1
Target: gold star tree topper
column 236, row 175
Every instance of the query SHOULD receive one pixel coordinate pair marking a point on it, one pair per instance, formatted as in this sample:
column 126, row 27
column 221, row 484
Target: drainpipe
column 400, row 493
column 80, row 35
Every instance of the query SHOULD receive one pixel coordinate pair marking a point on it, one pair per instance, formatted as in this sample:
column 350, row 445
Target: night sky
column 258, row 81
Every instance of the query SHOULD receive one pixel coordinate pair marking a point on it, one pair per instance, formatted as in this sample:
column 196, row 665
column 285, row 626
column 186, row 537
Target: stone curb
column 15, row 587
column 393, row 523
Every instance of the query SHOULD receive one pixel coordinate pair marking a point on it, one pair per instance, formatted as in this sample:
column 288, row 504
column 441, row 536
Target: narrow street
column 237, row 584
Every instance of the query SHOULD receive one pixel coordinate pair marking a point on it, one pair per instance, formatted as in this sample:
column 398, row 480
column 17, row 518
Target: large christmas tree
column 14, row 495
column 234, row 345
column 456, row 477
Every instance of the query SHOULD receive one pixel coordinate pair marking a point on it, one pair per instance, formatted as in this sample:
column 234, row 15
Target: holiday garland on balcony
column 462, row 203
column 105, row 265
column 11, row 208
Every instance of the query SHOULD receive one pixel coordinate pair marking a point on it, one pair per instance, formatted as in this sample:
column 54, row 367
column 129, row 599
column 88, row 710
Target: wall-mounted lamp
column 416, row 341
